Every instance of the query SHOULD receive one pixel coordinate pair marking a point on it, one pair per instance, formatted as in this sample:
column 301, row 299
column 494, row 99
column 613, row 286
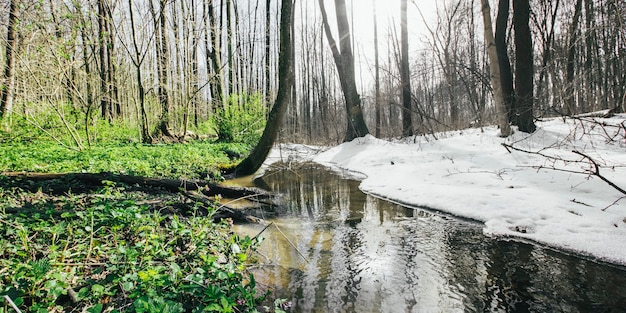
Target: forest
column 119, row 117
column 178, row 69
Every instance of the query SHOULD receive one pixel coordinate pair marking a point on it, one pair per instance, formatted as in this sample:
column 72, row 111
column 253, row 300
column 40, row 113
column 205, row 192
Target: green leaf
column 97, row 289
column 95, row 309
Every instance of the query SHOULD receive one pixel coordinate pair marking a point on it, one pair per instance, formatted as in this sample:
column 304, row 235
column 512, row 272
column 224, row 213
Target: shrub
column 242, row 119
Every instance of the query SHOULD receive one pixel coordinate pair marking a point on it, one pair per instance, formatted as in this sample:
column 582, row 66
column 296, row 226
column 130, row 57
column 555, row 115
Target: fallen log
column 195, row 190
column 171, row 185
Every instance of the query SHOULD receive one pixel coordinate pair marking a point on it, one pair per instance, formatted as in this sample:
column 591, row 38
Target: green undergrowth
column 197, row 159
column 116, row 250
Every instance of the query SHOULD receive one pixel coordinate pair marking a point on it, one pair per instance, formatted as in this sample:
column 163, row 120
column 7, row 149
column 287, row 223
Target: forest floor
column 77, row 238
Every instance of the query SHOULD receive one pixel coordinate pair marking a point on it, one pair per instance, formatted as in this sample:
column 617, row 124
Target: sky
column 542, row 194
column 361, row 17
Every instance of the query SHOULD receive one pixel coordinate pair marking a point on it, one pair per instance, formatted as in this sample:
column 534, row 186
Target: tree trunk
column 377, row 73
column 268, row 34
column 524, row 68
column 570, row 99
column 344, row 60
column 7, row 85
column 506, row 75
column 503, row 121
column 137, row 62
column 286, row 79
column 405, row 75
column 162, row 65
column 214, row 54
column 229, row 38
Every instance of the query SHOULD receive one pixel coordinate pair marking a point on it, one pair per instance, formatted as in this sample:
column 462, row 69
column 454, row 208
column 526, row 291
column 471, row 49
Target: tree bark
column 213, row 50
column 162, row 64
column 377, row 73
column 503, row 121
column 344, row 60
column 405, row 75
column 137, row 62
column 570, row 98
column 506, row 74
column 268, row 34
column 524, row 67
column 7, row 85
column 286, row 79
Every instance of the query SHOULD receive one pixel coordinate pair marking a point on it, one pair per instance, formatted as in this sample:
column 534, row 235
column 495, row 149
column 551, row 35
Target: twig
column 596, row 172
column 614, row 203
column 12, row 304
column 259, row 234
column 291, row 243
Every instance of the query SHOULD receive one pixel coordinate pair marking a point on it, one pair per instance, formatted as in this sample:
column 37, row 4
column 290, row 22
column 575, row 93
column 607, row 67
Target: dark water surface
column 356, row 253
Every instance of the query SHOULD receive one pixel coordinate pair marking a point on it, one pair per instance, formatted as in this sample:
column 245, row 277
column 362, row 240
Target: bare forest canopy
column 169, row 67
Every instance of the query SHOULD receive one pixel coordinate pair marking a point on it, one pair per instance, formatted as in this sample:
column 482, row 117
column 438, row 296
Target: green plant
column 242, row 119
column 106, row 252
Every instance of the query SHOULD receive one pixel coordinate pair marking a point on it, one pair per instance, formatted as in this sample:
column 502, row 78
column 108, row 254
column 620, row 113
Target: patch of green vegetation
column 196, row 159
column 106, row 252
column 242, row 119
column 110, row 250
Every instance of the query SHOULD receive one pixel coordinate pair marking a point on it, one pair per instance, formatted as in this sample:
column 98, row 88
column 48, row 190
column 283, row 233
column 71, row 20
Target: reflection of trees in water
column 367, row 255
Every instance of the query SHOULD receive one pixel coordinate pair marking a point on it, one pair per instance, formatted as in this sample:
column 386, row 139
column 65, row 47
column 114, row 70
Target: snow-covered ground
column 543, row 192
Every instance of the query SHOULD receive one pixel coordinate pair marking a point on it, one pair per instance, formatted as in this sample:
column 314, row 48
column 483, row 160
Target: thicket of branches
column 169, row 66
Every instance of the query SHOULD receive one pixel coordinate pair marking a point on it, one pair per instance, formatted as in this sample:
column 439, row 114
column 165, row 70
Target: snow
column 545, row 193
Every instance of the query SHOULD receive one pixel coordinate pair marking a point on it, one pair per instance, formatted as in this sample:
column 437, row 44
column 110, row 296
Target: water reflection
column 335, row 249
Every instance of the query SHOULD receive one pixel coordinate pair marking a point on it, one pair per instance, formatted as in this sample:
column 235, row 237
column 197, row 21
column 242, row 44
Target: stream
column 333, row 248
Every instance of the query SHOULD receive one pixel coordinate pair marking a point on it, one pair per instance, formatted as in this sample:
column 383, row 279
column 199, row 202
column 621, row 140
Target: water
column 335, row 249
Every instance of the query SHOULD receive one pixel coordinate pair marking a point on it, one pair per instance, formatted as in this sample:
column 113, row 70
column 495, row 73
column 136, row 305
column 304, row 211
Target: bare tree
column 405, row 75
column 109, row 107
column 503, row 121
column 344, row 60
column 506, row 73
column 377, row 100
column 214, row 63
column 524, row 67
column 268, row 37
column 286, row 78
column 138, row 58
column 7, row 85
column 570, row 95
column 162, row 56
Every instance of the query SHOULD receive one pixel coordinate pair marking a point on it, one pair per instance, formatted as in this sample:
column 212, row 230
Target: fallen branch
column 594, row 171
column 222, row 211
column 172, row 185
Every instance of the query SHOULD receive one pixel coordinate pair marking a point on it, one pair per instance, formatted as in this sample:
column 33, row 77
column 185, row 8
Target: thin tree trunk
column 162, row 65
column 503, row 121
column 229, row 38
column 213, row 51
column 268, row 18
column 137, row 62
column 344, row 60
column 570, row 99
column 7, row 85
column 506, row 75
column 377, row 105
column 286, row 78
column 547, row 55
column 405, row 75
